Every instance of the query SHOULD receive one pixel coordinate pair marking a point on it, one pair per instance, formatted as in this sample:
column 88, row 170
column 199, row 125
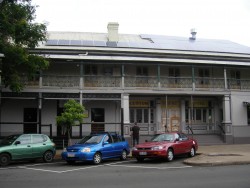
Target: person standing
column 135, row 133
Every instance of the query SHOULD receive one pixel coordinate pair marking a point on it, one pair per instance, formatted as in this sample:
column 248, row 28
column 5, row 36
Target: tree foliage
column 18, row 35
column 72, row 115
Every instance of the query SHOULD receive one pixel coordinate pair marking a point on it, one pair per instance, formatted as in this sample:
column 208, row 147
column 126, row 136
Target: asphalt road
column 119, row 174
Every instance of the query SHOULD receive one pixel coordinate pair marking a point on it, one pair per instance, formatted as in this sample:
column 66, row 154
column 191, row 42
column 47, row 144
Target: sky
column 212, row 19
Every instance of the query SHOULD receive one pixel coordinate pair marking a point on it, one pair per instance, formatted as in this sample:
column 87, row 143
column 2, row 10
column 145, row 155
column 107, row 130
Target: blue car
column 97, row 147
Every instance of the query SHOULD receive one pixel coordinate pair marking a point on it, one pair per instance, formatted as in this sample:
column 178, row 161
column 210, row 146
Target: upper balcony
column 152, row 78
column 136, row 82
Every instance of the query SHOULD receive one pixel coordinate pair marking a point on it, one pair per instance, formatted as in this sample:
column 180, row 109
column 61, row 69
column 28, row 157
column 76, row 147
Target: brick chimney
column 113, row 32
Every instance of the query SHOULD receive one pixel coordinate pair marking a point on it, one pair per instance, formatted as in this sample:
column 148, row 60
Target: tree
column 18, row 35
column 71, row 116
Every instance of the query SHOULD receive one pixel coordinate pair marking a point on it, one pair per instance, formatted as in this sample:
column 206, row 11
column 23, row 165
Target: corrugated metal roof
column 145, row 41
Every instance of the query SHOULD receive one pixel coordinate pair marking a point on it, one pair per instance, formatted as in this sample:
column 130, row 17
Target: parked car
column 26, row 147
column 166, row 145
column 97, row 147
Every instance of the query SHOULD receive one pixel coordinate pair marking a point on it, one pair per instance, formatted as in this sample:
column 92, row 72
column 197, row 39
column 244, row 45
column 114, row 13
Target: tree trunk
column 69, row 139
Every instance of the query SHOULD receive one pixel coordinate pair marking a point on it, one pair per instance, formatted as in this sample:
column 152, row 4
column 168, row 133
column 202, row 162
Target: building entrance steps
column 208, row 139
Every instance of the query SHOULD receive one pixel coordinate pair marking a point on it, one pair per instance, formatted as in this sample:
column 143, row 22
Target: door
column 39, row 145
column 108, row 148
column 30, row 115
column 97, row 115
column 23, row 149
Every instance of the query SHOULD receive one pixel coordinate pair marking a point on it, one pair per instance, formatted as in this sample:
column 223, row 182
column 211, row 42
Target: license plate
column 71, row 155
column 143, row 153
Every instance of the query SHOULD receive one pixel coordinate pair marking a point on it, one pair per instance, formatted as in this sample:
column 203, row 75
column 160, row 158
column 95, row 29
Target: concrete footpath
column 214, row 155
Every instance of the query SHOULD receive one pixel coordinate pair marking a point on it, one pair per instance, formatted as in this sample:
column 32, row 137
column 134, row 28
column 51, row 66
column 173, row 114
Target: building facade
column 193, row 85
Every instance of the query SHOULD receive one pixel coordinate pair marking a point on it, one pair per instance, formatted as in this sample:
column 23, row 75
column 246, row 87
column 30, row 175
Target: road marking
column 115, row 164
column 82, row 168
column 145, row 167
column 63, row 171
column 40, row 164
column 6, row 168
column 151, row 167
column 37, row 169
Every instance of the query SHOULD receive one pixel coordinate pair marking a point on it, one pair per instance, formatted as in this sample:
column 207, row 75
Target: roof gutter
column 146, row 59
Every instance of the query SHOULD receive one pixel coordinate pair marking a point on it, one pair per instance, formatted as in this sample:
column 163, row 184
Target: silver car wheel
column 192, row 152
column 170, row 155
column 97, row 158
column 124, row 155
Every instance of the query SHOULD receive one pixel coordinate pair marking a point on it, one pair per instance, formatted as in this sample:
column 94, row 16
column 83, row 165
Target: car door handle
column 44, row 144
column 28, row 146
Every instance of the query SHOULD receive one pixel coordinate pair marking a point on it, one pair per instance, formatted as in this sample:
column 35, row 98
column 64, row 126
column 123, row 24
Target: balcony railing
column 61, row 81
column 209, row 83
column 102, row 81
column 140, row 82
column 176, row 82
column 135, row 82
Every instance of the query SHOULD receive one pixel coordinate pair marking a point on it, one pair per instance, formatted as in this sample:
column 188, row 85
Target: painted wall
column 49, row 114
column 239, row 110
column 12, row 111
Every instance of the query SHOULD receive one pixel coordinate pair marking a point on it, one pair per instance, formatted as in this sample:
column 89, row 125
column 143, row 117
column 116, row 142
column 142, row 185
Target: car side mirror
column 146, row 140
column 17, row 142
column 177, row 139
column 104, row 143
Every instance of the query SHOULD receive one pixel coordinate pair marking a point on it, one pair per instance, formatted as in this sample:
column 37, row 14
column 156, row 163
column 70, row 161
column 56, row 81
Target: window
column 25, row 139
column 107, row 139
column 39, row 139
column 141, row 77
column 145, row 114
column 174, row 73
column 108, row 71
column 141, row 71
column 198, row 114
column 141, row 115
column 204, row 76
column 235, row 74
column 235, row 78
column 183, row 137
column 152, row 115
column 132, row 115
column 91, row 70
column 116, row 138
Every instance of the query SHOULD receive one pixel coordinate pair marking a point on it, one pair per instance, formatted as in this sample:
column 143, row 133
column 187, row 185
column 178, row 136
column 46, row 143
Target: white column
column 158, row 115
column 183, row 118
column 80, row 97
column 226, row 109
column 228, row 137
column 125, row 106
column 225, row 78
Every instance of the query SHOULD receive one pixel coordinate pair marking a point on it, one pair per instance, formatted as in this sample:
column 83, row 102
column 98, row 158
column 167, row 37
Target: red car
column 165, row 145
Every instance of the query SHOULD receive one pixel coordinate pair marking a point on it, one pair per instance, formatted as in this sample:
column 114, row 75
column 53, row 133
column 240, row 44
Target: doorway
column 30, row 115
column 59, row 128
column 97, row 115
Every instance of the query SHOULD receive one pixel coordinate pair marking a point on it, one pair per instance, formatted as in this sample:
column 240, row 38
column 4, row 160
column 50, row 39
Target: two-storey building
column 164, row 83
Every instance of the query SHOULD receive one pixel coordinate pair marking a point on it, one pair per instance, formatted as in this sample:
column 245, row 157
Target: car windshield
column 91, row 139
column 9, row 140
column 163, row 137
